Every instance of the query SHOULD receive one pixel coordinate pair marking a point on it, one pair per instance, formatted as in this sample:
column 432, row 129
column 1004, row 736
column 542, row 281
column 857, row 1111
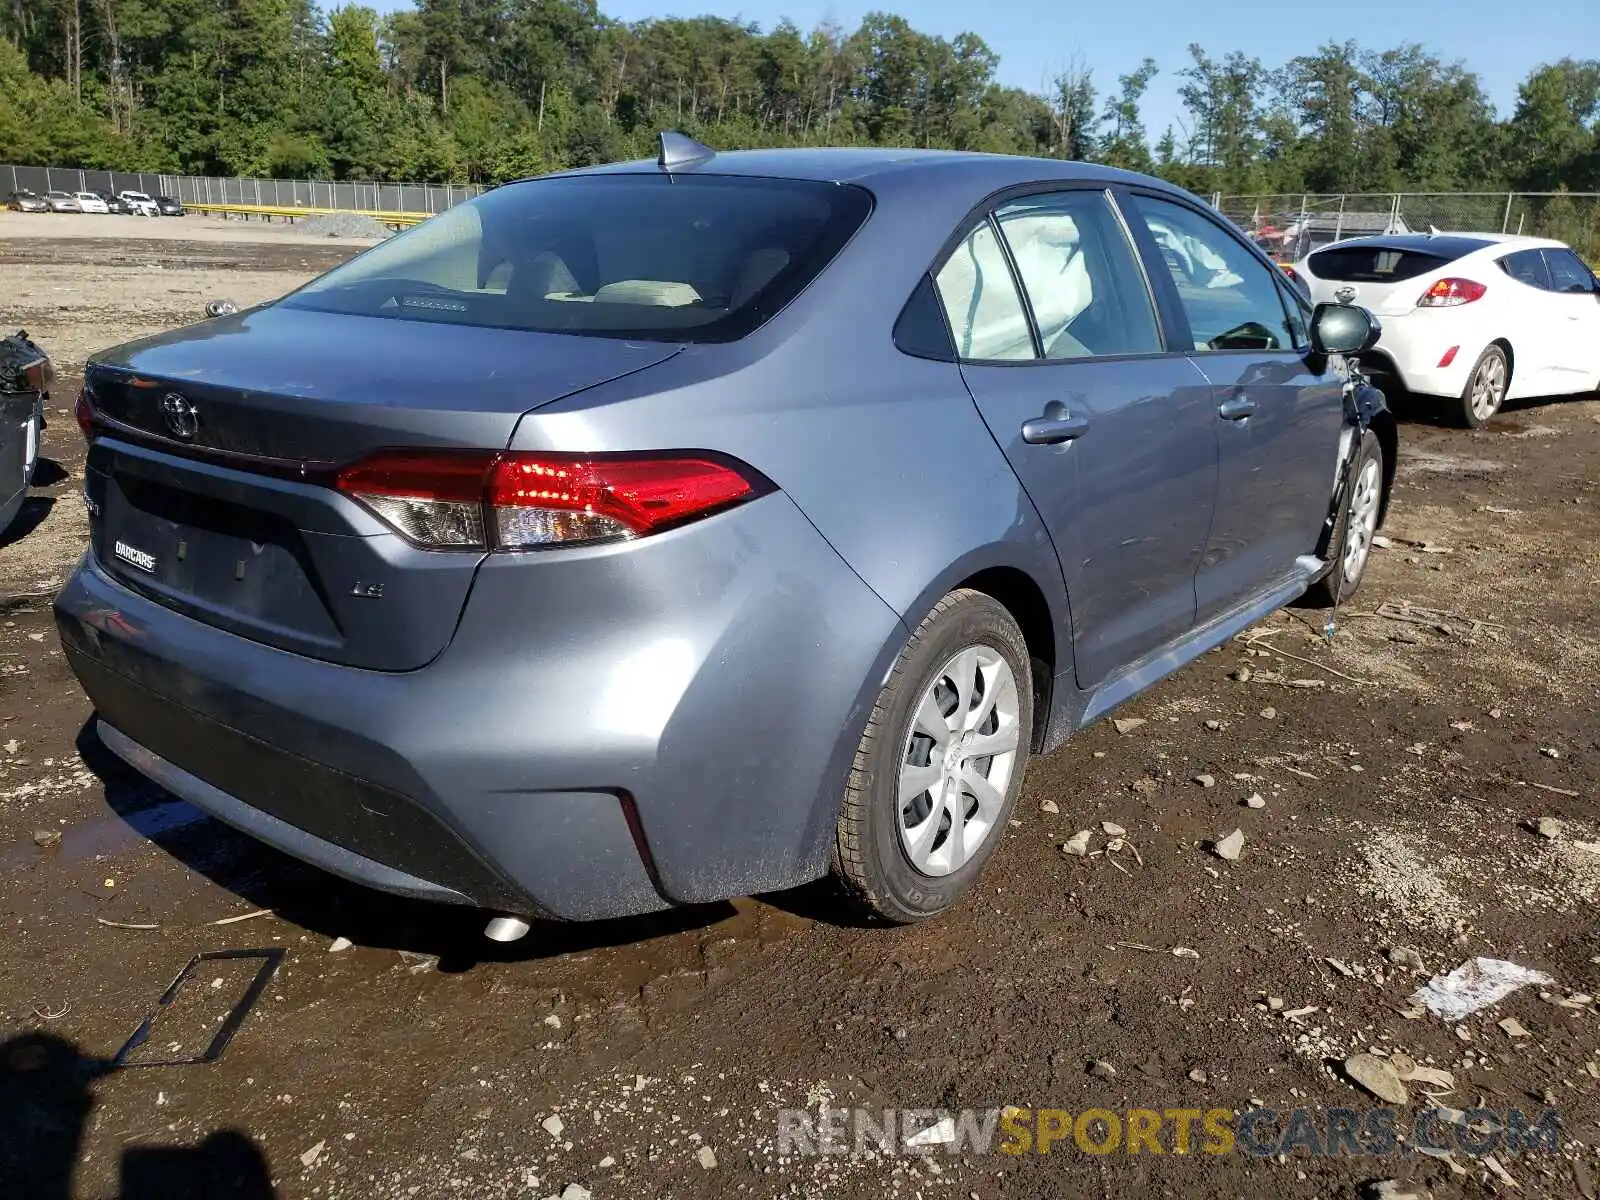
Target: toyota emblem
column 181, row 417
column 1344, row 295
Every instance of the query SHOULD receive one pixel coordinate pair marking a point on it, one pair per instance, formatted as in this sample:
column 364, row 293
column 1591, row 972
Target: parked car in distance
column 26, row 201
column 712, row 522
column 90, row 202
column 62, row 202
column 168, row 207
column 1473, row 318
column 116, row 204
column 25, row 378
column 140, row 203
column 1303, row 232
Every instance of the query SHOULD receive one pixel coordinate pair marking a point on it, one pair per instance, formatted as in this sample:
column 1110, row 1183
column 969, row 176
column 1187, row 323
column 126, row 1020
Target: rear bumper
column 1413, row 346
column 263, row 825
column 664, row 722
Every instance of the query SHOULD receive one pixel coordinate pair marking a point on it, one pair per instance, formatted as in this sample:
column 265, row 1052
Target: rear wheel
column 940, row 763
column 1486, row 388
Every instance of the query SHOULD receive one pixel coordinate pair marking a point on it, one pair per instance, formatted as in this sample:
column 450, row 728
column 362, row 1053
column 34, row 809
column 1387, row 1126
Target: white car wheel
column 1486, row 388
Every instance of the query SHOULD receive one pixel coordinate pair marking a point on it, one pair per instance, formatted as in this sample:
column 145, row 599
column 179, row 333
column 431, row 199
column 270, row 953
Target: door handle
column 1057, row 425
column 1236, row 408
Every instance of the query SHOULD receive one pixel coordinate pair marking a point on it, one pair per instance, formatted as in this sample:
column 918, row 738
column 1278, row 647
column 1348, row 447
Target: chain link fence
column 279, row 193
column 1291, row 225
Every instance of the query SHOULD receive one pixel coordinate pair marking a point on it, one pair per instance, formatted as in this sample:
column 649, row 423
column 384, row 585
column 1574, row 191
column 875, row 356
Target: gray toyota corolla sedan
column 680, row 530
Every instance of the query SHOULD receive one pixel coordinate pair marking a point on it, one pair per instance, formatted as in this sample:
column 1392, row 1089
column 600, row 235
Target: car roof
column 879, row 166
column 1445, row 245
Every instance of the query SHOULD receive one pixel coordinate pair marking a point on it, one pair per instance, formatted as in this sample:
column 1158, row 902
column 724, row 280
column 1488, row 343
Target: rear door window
column 1527, row 266
column 981, row 303
column 686, row 258
column 1083, row 283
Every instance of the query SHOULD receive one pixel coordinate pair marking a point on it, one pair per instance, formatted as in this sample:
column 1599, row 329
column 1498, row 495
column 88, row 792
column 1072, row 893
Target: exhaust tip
column 506, row 929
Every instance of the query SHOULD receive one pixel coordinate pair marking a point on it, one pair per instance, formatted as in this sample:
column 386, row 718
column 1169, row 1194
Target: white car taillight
column 464, row 500
column 1447, row 293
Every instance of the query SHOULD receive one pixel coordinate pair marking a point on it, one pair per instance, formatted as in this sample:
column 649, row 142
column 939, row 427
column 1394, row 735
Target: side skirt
column 1073, row 708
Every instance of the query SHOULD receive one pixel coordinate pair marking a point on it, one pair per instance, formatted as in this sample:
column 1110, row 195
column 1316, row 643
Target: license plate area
column 206, row 553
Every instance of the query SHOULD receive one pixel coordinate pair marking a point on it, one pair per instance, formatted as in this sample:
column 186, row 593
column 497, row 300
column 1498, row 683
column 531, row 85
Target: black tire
column 1491, row 364
column 1341, row 582
column 870, row 858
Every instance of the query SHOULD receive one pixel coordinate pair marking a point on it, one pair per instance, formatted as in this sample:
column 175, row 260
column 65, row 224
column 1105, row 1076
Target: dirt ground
column 1403, row 767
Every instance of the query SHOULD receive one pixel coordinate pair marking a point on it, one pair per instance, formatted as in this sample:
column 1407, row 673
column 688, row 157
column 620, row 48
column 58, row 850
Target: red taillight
column 542, row 500
column 1447, row 293
column 1449, row 356
column 434, row 498
column 522, row 501
column 83, row 411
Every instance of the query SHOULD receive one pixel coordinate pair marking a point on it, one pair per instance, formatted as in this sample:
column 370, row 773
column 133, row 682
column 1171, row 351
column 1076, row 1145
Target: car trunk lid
column 208, row 480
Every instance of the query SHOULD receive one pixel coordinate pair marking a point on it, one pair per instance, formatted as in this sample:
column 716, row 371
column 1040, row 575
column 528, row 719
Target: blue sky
column 1499, row 39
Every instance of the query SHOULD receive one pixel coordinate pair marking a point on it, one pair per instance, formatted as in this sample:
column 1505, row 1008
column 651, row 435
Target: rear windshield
column 1375, row 264
column 688, row 258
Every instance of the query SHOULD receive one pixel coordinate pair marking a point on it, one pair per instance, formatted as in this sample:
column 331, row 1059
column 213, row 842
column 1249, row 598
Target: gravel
column 344, row 225
column 1404, row 876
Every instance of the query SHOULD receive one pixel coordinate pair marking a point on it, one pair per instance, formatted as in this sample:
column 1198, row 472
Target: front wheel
column 1351, row 545
column 940, row 763
column 1486, row 388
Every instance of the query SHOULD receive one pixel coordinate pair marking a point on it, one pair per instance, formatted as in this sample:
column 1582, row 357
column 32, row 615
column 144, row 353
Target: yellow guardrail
column 288, row 212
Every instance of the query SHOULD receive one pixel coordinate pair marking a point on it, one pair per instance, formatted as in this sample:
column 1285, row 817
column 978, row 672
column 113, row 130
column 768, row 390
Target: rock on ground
column 1377, row 1076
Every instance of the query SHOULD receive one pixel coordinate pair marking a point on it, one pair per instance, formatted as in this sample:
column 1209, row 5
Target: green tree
column 1125, row 144
column 1553, row 131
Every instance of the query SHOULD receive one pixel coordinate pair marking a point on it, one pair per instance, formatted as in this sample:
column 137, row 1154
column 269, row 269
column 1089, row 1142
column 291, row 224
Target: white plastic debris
column 1473, row 985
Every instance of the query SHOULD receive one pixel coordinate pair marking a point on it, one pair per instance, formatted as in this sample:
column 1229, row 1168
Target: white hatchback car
column 1477, row 318
column 90, row 203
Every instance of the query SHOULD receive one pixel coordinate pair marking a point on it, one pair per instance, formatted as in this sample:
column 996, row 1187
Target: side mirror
column 1343, row 329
